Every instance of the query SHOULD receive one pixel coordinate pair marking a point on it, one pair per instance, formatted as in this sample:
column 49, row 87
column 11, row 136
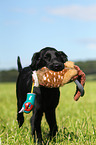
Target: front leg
column 51, row 119
column 36, row 124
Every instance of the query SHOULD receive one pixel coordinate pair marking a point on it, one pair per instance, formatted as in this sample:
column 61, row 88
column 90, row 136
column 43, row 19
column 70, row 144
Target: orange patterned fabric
column 52, row 79
column 82, row 78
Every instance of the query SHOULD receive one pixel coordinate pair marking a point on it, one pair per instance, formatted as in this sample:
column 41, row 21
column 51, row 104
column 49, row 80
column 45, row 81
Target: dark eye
column 58, row 56
column 47, row 57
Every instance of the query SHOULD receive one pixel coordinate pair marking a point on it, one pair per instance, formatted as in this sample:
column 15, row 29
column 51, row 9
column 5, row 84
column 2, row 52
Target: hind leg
column 36, row 124
column 20, row 117
column 20, row 101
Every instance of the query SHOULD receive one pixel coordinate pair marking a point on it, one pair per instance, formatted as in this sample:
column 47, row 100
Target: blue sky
column 26, row 26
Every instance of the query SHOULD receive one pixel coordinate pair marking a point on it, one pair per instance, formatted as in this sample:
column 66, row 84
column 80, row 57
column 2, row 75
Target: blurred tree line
column 89, row 67
column 8, row 76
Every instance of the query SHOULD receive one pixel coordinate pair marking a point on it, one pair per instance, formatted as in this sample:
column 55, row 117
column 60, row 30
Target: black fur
column 47, row 99
column 19, row 64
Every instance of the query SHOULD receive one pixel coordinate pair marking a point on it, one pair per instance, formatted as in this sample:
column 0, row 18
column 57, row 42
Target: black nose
column 58, row 67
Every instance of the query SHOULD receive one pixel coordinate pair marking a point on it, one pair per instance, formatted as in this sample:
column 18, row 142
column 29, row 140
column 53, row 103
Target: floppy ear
column 63, row 56
column 37, row 62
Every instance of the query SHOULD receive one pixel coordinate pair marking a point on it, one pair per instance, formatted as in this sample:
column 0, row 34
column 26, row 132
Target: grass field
column 76, row 120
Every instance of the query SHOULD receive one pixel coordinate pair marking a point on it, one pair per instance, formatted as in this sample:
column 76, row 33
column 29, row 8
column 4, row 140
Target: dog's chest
column 47, row 98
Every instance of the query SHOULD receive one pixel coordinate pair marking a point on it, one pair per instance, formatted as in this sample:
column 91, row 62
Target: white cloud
column 87, row 40
column 89, row 43
column 91, row 46
column 47, row 19
column 12, row 22
column 87, row 13
column 27, row 11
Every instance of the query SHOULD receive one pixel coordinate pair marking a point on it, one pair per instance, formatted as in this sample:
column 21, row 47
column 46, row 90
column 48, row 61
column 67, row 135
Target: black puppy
column 47, row 99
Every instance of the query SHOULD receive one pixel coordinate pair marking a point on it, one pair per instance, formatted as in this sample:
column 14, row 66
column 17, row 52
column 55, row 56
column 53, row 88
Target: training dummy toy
column 29, row 103
column 51, row 79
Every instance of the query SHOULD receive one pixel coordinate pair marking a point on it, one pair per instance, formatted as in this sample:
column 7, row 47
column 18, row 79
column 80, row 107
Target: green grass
column 91, row 77
column 76, row 120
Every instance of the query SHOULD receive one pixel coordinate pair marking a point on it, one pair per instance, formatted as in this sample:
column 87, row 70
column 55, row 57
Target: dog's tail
column 19, row 64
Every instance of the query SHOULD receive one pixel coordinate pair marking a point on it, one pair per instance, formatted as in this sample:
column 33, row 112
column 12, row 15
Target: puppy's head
column 49, row 57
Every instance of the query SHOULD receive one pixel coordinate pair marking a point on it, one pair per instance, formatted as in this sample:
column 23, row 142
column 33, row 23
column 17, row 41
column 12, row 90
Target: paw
column 20, row 119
